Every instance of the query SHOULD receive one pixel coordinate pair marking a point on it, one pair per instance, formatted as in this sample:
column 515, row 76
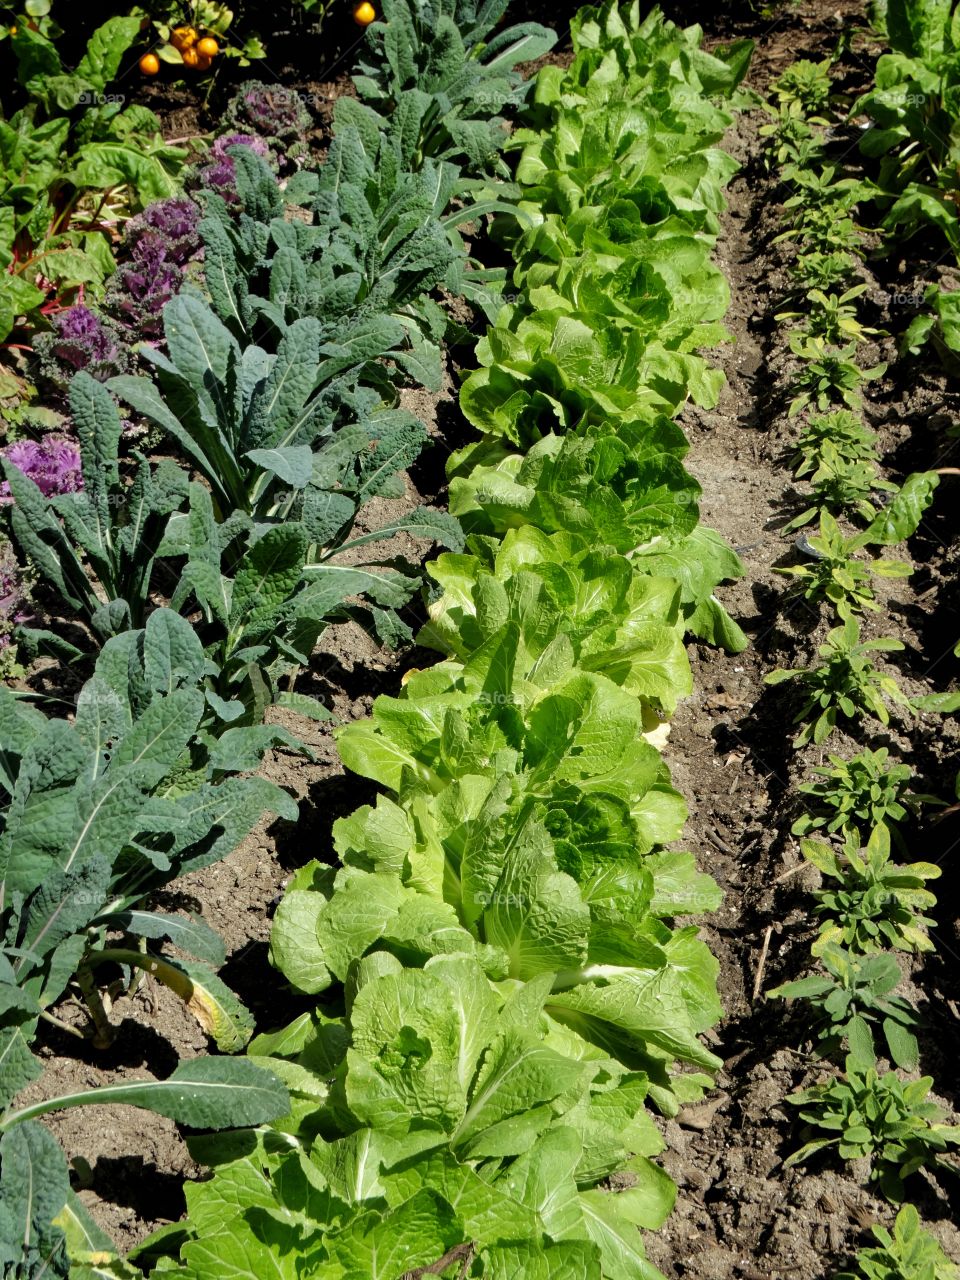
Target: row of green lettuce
column 200, row 576
column 502, row 985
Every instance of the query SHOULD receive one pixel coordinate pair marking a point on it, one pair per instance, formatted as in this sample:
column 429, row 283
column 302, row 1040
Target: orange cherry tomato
column 149, row 64
column 364, row 13
column 183, row 38
column 208, row 47
column 190, row 58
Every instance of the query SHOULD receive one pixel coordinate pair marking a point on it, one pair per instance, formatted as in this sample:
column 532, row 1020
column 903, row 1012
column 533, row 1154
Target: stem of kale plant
column 104, row 1029
column 63, row 1026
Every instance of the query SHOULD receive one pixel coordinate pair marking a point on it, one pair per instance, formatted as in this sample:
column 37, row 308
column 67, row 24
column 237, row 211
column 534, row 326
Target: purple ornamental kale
column 53, row 463
column 13, row 598
column 81, row 339
column 140, row 288
column 172, row 224
column 278, row 114
column 220, row 174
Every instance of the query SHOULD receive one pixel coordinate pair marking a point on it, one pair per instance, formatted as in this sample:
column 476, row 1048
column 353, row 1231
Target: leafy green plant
column 844, row 431
column 828, row 376
column 101, row 812
column 908, row 1253
column 504, row 987
column 97, row 813
column 41, row 1209
column 517, row 1127
column 868, row 790
column 814, row 269
column 877, row 903
column 791, row 139
column 629, row 493
column 852, row 995
column 880, row 1118
column 845, row 683
column 440, row 66
column 912, row 105
column 938, row 325
column 842, row 485
column 371, row 239
column 832, row 317
column 97, row 546
column 804, row 88
column 834, row 574
column 75, row 161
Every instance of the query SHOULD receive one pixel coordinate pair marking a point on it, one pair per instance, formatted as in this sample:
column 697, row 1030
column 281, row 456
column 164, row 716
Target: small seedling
column 791, row 139
column 832, row 317
column 858, row 793
column 845, row 432
column 880, row 1118
column 839, row 485
column 804, row 88
column 846, row 683
column 876, row 903
column 834, row 574
column 853, row 994
column 910, row 1253
column 829, row 375
column 813, row 269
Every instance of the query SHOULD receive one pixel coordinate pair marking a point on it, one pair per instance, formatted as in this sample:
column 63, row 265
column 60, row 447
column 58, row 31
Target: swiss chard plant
column 75, row 161
column 912, row 106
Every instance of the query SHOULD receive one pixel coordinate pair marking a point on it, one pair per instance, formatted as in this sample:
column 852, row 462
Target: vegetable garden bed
column 478, row 1013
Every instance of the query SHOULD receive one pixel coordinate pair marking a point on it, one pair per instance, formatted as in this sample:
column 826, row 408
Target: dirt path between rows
column 739, row 1215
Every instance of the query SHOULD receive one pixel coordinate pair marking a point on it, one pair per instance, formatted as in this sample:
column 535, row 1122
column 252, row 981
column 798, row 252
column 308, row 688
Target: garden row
column 870, row 907
column 276, row 384
column 502, row 987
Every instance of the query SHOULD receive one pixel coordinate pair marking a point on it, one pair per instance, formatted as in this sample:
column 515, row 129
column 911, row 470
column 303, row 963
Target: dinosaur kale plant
column 100, row 812
column 443, row 70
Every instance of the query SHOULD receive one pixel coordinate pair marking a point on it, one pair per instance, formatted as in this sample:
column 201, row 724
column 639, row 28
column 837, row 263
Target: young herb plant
column 875, row 903
column 878, row 1117
column 864, row 792
column 908, row 1253
column 828, row 376
column 846, row 684
column 844, row 431
column 854, row 994
column 831, row 317
column 833, row 574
